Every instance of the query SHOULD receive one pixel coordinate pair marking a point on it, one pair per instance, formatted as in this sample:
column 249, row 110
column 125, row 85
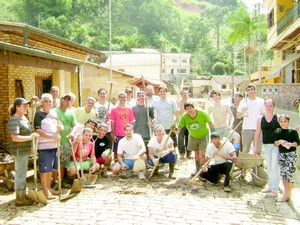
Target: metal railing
column 290, row 17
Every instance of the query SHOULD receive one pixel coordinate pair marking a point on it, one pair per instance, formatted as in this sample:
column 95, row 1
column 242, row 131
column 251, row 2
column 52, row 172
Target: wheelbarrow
column 6, row 170
column 247, row 162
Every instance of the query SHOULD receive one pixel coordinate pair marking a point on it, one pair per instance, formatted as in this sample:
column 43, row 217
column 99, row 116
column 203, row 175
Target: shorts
column 117, row 143
column 195, row 144
column 173, row 136
column 65, row 150
column 128, row 162
column 100, row 160
column 223, row 131
column 47, row 160
column 86, row 165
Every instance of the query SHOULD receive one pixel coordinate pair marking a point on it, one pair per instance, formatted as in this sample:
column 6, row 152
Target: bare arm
column 257, row 135
column 44, row 134
column 22, row 138
column 230, row 116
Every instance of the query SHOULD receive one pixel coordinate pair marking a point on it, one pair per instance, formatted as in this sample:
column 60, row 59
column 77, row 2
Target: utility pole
column 259, row 44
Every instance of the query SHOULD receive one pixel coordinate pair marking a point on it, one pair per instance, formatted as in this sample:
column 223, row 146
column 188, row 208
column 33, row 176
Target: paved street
column 127, row 200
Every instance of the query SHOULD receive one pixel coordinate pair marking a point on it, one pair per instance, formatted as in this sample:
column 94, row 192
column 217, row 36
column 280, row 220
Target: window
column 181, row 71
column 174, row 60
column 270, row 18
column 184, row 61
column 223, row 86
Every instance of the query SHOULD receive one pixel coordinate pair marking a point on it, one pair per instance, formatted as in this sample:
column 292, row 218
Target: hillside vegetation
column 215, row 32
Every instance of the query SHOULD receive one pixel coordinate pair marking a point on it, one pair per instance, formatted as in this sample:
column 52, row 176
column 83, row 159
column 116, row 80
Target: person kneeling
column 130, row 148
column 83, row 148
column 158, row 148
column 221, row 163
column 102, row 151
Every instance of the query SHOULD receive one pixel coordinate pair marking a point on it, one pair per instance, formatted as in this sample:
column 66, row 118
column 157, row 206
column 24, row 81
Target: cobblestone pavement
column 128, row 200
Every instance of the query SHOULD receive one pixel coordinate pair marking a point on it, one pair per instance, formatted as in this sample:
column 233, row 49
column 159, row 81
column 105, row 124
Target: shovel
column 78, row 183
column 90, row 179
column 33, row 194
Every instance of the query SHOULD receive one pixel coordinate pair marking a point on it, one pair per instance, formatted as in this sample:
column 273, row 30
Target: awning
column 275, row 72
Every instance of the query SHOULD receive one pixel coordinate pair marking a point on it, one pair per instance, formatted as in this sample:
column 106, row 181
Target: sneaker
column 54, row 185
column 141, row 176
column 104, row 174
column 65, row 184
column 267, row 190
column 272, row 194
column 227, row 189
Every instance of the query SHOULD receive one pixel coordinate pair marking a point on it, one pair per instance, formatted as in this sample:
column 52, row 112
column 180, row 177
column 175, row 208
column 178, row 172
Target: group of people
column 146, row 129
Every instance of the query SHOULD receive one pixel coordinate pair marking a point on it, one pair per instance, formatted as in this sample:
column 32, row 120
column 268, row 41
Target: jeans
column 183, row 140
column 21, row 165
column 271, row 156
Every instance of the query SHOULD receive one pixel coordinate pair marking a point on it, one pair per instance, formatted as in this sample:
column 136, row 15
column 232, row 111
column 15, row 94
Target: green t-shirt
column 67, row 118
column 196, row 126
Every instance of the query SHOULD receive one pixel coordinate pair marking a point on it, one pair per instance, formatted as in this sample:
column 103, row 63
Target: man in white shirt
column 130, row 148
column 222, row 162
column 250, row 108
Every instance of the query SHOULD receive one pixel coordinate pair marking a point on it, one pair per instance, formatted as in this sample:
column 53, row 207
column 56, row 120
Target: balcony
column 290, row 17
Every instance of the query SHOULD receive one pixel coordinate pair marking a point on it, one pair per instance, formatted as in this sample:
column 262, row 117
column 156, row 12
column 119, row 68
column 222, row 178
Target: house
column 32, row 60
column 97, row 76
column 151, row 64
column 283, row 39
column 201, row 86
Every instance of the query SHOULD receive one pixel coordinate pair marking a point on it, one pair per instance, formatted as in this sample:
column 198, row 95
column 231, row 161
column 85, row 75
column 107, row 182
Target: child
column 287, row 140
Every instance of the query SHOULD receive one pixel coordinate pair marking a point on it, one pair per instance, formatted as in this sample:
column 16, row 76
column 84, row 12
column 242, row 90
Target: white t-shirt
column 165, row 109
column 130, row 147
column 255, row 109
column 100, row 110
column 158, row 147
column 225, row 150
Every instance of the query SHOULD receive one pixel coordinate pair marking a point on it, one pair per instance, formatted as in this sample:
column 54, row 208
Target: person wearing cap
column 222, row 156
column 68, row 120
column 130, row 102
column 54, row 91
column 73, row 98
column 130, row 148
column 196, row 121
column 120, row 116
column 82, row 114
column 47, row 126
column 143, row 122
column 22, row 135
column 223, row 119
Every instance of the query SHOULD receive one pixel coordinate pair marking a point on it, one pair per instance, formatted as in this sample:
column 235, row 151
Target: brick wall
column 8, row 75
column 58, row 48
column 4, row 99
column 282, row 94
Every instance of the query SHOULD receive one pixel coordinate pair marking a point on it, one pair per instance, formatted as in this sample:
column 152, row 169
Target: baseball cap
column 21, row 101
column 66, row 96
column 214, row 135
column 128, row 89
